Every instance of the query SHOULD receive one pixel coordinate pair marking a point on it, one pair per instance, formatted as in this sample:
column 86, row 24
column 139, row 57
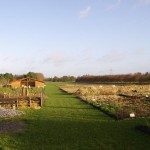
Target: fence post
column 14, row 107
column 41, row 100
column 4, row 95
column 29, row 101
column 17, row 101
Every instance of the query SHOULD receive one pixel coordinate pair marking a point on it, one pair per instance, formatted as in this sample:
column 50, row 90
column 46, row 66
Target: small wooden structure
column 27, row 97
column 26, row 82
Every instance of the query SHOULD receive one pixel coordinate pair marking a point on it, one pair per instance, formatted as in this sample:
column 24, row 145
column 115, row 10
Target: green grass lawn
column 66, row 123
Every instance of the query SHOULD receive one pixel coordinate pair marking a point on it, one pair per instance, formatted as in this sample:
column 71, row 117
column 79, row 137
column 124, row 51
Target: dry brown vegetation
column 119, row 101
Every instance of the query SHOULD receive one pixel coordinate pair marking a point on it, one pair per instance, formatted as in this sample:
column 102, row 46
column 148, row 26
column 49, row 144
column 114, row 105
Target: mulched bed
column 11, row 126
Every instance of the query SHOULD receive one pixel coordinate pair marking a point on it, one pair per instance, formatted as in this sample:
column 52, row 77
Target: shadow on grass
column 73, row 135
column 59, row 94
column 60, row 107
column 143, row 128
column 62, row 93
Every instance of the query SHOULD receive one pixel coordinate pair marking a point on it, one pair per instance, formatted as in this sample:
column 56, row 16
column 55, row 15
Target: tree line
column 136, row 77
column 62, row 79
column 6, row 78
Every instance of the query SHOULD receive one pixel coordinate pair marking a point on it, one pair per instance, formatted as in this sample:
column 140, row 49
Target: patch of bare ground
column 12, row 127
column 9, row 113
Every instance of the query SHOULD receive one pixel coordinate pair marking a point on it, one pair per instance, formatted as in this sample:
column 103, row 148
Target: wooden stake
column 17, row 102
column 29, row 101
column 41, row 99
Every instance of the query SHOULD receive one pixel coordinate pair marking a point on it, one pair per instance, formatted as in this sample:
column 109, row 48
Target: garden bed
column 118, row 101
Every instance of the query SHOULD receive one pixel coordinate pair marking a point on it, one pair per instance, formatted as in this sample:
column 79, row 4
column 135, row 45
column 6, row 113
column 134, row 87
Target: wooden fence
column 14, row 102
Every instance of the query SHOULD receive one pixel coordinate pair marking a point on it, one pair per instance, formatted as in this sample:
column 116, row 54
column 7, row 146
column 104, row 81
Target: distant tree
column 48, row 79
column 62, row 79
column 145, row 77
column 39, row 76
column 55, row 79
column 72, row 78
column 3, row 81
column 66, row 79
column 31, row 75
column 136, row 77
column 9, row 77
column 17, row 77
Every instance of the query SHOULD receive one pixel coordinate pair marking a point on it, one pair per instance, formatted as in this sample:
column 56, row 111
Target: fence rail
column 14, row 102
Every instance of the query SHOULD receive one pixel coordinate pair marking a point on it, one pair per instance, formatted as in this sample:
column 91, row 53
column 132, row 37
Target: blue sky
column 74, row 37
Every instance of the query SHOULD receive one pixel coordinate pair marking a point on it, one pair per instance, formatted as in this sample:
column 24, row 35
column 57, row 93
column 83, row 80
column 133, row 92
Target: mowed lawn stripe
column 65, row 106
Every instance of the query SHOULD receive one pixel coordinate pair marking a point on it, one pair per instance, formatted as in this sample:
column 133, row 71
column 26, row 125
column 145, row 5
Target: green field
column 67, row 123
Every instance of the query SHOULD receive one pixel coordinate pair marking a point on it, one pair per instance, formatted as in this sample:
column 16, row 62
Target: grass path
column 66, row 123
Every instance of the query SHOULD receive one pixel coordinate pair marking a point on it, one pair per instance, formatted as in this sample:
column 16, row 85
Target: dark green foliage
column 34, row 75
column 31, row 75
column 6, row 78
column 62, row 79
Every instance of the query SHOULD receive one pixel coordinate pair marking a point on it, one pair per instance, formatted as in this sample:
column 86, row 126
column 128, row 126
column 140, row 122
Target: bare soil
column 11, row 126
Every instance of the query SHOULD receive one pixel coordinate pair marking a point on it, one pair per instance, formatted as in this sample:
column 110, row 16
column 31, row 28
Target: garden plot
column 118, row 101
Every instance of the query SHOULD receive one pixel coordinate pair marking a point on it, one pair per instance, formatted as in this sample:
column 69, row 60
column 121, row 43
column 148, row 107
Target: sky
column 74, row 37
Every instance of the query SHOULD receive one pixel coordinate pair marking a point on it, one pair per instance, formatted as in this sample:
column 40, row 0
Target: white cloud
column 85, row 12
